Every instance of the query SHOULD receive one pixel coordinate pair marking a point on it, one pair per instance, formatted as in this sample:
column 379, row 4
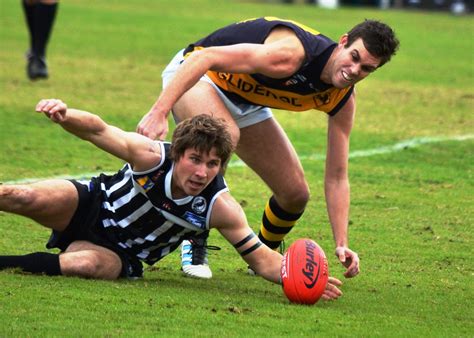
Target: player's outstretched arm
column 280, row 56
column 229, row 218
column 136, row 149
column 337, row 187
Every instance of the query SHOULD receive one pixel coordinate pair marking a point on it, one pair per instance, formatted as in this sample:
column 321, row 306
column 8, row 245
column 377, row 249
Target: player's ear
column 343, row 39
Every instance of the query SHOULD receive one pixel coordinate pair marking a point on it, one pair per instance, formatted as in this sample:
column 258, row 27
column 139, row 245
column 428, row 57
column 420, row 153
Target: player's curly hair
column 202, row 132
column 378, row 38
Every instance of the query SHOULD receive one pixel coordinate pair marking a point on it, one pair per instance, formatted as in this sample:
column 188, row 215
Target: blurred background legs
column 39, row 16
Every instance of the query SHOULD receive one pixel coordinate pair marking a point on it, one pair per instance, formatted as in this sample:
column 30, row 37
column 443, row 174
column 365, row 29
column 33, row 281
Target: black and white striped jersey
column 139, row 215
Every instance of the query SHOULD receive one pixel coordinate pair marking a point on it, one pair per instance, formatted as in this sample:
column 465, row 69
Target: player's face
column 352, row 63
column 193, row 172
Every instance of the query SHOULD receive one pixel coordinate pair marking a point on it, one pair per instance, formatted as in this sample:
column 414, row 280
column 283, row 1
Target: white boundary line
column 410, row 143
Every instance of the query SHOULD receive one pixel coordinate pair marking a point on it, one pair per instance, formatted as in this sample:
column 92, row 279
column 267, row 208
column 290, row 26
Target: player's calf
column 37, row 262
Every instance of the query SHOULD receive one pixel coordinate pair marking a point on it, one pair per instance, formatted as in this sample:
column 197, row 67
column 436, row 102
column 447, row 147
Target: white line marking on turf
column 410, row 143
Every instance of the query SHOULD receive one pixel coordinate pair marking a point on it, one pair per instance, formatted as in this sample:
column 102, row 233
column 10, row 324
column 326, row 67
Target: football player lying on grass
column 106, row 227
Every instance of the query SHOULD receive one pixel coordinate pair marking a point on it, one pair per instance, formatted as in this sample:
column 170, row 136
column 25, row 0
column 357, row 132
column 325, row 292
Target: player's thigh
column 85, row 259
column 51, row 203
column 203, row 99
column 266, row 149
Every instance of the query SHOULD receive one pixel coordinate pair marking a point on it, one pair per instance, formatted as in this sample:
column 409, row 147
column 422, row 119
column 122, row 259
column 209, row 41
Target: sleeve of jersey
column 342, row 102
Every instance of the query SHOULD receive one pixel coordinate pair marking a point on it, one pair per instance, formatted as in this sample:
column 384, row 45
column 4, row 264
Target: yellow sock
column 276, row 223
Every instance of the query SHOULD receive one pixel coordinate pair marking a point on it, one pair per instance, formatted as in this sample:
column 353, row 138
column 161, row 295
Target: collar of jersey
column 168, row 178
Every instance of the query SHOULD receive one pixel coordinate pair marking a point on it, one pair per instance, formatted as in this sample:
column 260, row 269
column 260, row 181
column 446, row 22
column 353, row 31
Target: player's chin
column 194, row 189
column 193, row 192
column 341, row 84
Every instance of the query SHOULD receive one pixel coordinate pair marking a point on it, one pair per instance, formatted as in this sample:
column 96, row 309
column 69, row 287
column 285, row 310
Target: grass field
column 412, row 211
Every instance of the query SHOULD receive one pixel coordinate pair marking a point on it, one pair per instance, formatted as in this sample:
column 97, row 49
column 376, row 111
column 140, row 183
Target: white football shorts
column 244, row 114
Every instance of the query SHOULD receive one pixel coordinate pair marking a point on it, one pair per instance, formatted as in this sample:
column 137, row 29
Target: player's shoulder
column 226, row 212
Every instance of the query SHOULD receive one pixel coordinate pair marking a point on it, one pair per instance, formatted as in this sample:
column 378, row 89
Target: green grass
column 412, row 211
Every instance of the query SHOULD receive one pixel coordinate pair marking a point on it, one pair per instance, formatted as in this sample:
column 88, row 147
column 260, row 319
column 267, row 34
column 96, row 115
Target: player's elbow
column 337, row 180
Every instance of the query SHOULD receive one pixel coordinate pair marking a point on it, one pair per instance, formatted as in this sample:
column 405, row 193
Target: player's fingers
column 332, row 290
column 352, row 271
column 334, row 281
column 57, row 117
column 49, row 104
column 353, row 268
column 326, row 298
column 139, row 128
column 341, row 254
column 40, row 105
column 330, row 294
column 144, row 125
column 162, row 135
column 144, row 129
column 150, row 134
column 57, row 107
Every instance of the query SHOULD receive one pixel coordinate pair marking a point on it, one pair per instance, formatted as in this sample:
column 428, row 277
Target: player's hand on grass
column 349, row 259
column 54, row 109
column 332, row 289
column 154, row 125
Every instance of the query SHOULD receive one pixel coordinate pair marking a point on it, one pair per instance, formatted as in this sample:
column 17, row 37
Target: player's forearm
column 82, row 124
column 269, row 268
column 92, row 128
column 338, row 202
column 188, row 74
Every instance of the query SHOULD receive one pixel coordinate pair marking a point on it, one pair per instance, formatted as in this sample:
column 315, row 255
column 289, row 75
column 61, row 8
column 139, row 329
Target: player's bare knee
column 89, row 264
column 294, row 199
column 83, row 265
column 299, row 198
column 100, row 267
column 234, row 132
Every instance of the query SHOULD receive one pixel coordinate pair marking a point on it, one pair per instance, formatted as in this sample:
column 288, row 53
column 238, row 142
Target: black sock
column 29, row 10
column 37, row 262
column 43, row 24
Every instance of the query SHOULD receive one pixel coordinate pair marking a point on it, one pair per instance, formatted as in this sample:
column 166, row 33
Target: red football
column 304, row 272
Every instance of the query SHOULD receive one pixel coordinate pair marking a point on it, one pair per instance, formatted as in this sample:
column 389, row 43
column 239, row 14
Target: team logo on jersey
column 321, row 99
column 157, row 175
column 145, row 182
column 194, row 219
column 199, row 204
column 166, row 206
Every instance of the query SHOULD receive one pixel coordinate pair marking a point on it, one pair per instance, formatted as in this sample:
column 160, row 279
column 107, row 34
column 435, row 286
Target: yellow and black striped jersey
column 303, row 90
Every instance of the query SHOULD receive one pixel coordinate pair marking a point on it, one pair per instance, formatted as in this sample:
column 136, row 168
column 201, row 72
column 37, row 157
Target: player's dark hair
column 378, row 38
column 202, row 132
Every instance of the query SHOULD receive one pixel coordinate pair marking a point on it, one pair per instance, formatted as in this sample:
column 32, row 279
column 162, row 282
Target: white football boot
column 194, row 261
